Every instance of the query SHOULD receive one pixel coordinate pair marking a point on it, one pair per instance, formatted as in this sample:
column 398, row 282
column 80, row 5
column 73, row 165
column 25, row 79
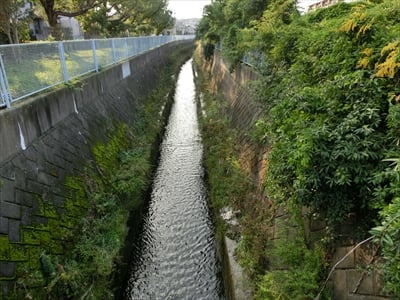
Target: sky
column 187, row 9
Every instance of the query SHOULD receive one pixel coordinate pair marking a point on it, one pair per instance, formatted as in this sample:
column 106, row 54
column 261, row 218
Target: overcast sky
column 187, row 9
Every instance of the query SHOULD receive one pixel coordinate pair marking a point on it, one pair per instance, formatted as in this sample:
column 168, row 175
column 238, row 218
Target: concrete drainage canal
column 175, row 254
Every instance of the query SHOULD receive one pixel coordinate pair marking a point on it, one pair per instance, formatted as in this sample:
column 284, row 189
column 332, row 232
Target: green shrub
column 387, row 235
column 300, row 272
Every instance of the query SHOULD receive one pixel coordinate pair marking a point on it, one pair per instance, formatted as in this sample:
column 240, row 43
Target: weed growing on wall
column 94, row 237
column 228, row 184
column 114, row 188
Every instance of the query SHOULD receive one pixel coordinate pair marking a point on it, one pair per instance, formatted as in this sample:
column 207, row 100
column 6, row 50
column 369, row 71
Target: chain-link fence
column 254, row 59
column 26, row 69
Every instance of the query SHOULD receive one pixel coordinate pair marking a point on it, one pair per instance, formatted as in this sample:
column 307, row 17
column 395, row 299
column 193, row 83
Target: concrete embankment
column 242, row 112
column 48, row 138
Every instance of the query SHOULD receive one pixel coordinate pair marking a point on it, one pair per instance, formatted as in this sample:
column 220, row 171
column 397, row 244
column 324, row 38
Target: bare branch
column 81, row 11
column 339, row 262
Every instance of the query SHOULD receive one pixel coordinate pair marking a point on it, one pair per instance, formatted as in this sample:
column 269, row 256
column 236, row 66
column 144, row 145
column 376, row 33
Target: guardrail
column 26, row 69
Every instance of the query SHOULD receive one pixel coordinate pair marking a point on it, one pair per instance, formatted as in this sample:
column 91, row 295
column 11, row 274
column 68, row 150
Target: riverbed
column 175, row 255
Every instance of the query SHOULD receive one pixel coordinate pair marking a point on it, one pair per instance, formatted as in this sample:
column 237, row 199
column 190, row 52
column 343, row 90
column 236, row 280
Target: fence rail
column 26, row 69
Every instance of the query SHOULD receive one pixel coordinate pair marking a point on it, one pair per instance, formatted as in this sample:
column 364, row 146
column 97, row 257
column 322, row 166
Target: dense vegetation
column 231, row 184
column 330, row 92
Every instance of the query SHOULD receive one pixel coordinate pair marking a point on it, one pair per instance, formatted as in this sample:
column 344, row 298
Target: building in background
column 184, row 27
column 325, row 3
column 70, row 27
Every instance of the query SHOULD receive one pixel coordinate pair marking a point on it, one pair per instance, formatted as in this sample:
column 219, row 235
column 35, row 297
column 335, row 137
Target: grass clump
column 301, row 276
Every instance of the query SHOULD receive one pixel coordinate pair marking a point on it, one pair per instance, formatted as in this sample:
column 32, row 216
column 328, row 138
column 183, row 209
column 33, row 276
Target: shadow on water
column 135, row 222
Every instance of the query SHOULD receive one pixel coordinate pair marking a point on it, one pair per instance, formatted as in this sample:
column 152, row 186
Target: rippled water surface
column 176, row 257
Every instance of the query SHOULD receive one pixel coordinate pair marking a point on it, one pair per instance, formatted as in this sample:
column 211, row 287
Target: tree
column 114, row 18
column 223, row 23
column 12, row 14
column 210, row 27
column 151, row 17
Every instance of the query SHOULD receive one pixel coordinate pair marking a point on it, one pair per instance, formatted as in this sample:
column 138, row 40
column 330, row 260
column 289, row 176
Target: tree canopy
column 112, row 18
column 70, row 8
column 109, row 18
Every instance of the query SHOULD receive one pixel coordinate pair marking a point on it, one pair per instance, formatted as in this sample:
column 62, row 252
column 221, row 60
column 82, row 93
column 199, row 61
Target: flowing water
column 176, row 254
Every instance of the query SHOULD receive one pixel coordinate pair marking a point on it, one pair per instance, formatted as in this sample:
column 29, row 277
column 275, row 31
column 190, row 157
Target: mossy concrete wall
column 350, row 280
column 48, row 139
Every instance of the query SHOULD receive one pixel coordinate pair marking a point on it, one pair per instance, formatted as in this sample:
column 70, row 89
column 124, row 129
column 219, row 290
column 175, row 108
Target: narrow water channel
column 176, row 256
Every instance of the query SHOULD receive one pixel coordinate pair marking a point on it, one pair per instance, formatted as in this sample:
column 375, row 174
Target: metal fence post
column 63, row 62
column 4, row 87
column 139, row 45
column 113, row 51
column 126, row 47
column 96, row 64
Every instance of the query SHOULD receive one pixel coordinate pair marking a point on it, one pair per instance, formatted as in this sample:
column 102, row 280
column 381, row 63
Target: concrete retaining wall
column 234, row 86
column 48, row 138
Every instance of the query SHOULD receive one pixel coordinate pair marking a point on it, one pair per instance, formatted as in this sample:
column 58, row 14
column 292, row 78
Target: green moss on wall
column 81, row 239
column 4, row 248
column 107, row 154
column 18, row 252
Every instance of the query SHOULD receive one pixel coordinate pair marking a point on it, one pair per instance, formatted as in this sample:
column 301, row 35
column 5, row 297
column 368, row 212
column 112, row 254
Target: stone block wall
column 47, row 140
column 353, row 278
